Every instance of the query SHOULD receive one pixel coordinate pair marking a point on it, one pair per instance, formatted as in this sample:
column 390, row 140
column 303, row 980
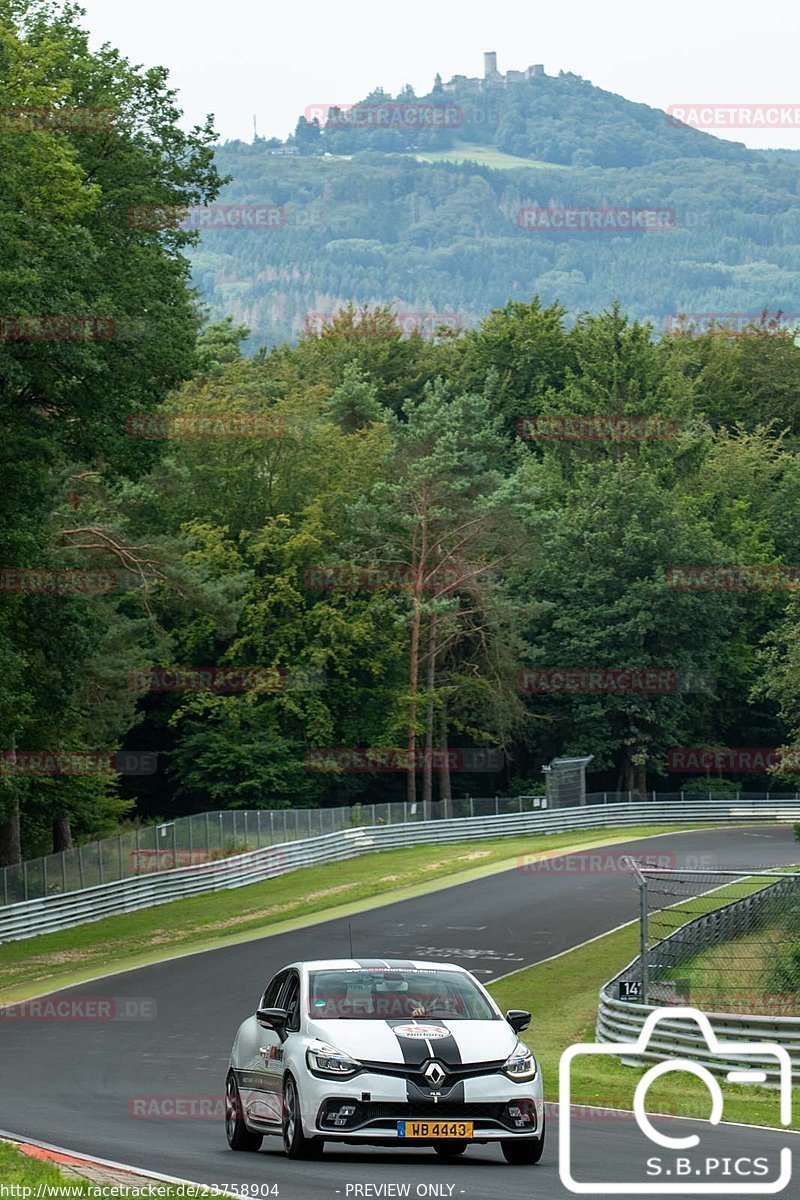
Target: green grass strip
column 563, row 993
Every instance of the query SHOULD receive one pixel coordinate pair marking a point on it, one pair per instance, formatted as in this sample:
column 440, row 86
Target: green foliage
column 446, row 238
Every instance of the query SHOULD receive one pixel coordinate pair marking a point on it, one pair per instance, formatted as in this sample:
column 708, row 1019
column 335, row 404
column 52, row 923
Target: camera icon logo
column 686, row 1175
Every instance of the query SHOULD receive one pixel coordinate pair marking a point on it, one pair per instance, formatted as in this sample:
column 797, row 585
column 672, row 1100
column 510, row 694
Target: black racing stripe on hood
column 446, row 1050
column 415, row 1050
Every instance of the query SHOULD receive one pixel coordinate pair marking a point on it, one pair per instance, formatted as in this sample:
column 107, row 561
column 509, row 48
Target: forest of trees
column 355, row 450
column 446, row 238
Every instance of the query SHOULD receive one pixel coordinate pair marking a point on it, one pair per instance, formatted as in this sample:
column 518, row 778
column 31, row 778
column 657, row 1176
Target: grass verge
column 31, row 1177
column 303, row 897
column 562, row 995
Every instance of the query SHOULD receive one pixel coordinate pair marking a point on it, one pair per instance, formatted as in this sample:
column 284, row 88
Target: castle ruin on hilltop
column 492, row 78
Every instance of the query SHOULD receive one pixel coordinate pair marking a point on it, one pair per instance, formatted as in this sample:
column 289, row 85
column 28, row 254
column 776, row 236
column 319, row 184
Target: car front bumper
column 369, row 1106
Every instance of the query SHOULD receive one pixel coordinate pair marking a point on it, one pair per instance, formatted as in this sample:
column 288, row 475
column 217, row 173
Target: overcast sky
column 240, row 58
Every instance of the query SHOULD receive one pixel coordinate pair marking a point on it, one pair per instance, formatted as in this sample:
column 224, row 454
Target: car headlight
column 520, row 1064
column 327, row 1060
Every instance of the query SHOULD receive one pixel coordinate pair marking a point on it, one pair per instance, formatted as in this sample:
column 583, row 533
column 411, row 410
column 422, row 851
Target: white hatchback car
column 378, row 1051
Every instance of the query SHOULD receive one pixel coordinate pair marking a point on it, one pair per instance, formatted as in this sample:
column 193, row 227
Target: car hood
column 410, row 1041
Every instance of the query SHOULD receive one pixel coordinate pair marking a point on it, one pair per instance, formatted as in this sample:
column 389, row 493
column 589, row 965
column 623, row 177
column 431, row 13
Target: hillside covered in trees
column 448, row 237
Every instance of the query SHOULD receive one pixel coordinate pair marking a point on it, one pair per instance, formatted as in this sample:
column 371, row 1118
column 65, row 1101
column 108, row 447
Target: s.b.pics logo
column 673, row 1160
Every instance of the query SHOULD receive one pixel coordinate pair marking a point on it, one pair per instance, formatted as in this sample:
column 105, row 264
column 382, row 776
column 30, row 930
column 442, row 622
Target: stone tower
column 490, row 64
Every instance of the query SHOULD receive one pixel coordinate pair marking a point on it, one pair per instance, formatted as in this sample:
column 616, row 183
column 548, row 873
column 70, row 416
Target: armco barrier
column 50, row 913
column 620, row 1021
column 623, row 1020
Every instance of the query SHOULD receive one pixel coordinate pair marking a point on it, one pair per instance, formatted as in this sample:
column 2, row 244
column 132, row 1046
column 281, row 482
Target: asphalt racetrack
column 74, row 1084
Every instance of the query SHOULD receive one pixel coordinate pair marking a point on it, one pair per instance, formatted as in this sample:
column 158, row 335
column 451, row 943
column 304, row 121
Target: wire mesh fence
column 206, row 837
column 720, row 941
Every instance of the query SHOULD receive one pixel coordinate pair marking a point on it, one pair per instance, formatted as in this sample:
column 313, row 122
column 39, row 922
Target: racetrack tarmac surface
column 76, row 1083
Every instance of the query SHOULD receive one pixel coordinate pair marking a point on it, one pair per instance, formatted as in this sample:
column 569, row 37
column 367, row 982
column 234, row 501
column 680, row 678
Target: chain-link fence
column 719, row 940
column 208, row 836
column 214, row 835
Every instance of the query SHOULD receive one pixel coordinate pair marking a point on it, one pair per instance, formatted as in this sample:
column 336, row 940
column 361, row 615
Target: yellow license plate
column 435, row 1129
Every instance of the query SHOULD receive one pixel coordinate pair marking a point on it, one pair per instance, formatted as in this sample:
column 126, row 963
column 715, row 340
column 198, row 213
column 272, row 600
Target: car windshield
column 380, row 995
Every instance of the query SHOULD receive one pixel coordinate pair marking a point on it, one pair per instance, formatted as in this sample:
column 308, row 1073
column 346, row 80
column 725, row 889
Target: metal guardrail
column 51, row 913
column 621, row 1021
column 208, row 836
column 204, row 837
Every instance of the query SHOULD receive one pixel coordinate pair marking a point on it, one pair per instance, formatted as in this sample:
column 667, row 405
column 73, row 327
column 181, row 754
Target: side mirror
column 272, row 1018
column 518, row 1019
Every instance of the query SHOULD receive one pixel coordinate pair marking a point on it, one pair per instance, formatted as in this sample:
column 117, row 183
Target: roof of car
column 376, row 964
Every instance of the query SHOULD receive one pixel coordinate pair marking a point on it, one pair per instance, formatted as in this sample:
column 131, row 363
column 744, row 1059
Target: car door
column 260, row 1099
column 273, row 1047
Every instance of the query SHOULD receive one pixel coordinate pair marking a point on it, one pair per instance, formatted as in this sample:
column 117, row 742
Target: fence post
column 605, row 797
column 5, row 885
column 245, row 830
column 44, row 873
column 100, row 862
column 25, row 879
column 643, row 938
column 191, row 844
column 119, row 853
column 208, row 839
column 80, row 865
column 63, row 872
column 258, row 822
column 497, row 806
column 471, row 807
column 174, row 844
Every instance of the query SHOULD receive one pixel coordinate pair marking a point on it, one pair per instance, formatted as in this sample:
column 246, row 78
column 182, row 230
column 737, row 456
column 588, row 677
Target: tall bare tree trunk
column 427, row 777
column 418, row 560
column 413, row 680
column 62, row 834
column 10, row 840
column 642, row 773
column 445, row 790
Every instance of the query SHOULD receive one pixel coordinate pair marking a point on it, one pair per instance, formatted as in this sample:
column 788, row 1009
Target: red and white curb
column 100, row 1171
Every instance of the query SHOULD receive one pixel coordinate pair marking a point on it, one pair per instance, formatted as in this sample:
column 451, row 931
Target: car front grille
column 517, row 1116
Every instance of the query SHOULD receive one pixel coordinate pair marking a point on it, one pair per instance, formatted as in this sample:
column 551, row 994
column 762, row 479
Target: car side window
column 270, row 997
column 291, row 1002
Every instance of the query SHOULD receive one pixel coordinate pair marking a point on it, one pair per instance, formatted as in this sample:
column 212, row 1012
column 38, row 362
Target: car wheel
column 238, row 1135
column 295, row 1142
column 525, row 1153
column 450, row 1148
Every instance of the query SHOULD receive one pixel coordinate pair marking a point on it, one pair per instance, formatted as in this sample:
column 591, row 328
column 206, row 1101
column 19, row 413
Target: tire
column 295, row 1142
column 238, row 1135
column 523, row 1154
column 450, row 1148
